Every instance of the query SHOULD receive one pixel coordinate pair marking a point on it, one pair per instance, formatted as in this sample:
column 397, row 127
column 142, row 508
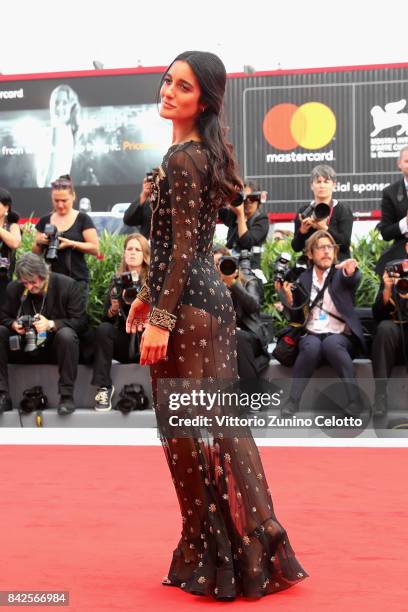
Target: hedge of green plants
column 366, row 250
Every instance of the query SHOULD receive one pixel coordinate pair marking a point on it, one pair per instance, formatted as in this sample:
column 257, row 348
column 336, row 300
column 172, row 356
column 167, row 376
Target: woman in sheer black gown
column 231, row 542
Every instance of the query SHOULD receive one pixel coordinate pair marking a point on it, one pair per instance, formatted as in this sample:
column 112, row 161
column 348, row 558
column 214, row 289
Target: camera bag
column 132, row 397
column 34, row 399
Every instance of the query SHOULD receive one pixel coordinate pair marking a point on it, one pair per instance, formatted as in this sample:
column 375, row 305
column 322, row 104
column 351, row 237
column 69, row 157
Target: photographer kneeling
column 322, row 302
column 391, row 340
column 247, row 224
column 246, row 293
column 111, row 339
column 40, row 321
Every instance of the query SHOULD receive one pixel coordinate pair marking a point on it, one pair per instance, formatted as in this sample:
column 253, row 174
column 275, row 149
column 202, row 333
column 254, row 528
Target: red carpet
column 101, row 522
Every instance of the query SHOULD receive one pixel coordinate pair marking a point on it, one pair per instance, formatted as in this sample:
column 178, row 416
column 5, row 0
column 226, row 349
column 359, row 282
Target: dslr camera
column 125, row 286
column 318, row 211
column 4, row 267
column 255, row 196
column 229, row 264
column 53, row 235
column 399, row 266
column 283, row 271
column 31, row 340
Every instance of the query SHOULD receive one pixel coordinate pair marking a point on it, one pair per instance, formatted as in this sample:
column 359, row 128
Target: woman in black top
column 111, row 339
column 76, row 234
column 339, row 223
column 10, row 239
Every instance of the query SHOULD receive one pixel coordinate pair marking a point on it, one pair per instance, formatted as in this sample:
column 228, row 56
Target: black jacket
column 340, row 227
column 394, row 309
column 258, row 227
column 140, row 215
column 64, row 303
column 247, row 304
column 394, row 207
column 342, row 290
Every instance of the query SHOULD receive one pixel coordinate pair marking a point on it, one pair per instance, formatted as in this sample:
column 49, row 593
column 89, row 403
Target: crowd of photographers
column 43, row 313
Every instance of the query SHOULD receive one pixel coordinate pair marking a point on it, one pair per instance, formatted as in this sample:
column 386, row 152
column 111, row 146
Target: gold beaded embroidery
column 144, row 294
column 162, row 319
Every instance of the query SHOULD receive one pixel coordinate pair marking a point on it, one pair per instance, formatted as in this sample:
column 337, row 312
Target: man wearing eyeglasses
column 332, row 328
column 248, row 226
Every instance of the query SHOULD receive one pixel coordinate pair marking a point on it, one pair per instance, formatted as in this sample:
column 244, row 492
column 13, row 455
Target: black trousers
column 61, row 348
column 251, row 357
column 337, row 349
column 111, row 343
column 387, row 351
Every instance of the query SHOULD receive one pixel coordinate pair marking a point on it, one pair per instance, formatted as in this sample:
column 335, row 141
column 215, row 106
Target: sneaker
column 352, row 409
column 380, row 405
column 103, row 399
column 66, row 405
column 290, row 408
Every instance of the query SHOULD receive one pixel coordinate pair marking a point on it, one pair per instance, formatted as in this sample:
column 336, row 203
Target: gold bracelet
column 144, row 294
column 163, row 319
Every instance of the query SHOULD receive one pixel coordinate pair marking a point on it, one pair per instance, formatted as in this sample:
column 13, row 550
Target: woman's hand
column 66, row 243
column 320, row 224
column 305, row 224
column 137, row 317
column 229, row 279
column 113, row 308
column 42, row 239
column 153, row 346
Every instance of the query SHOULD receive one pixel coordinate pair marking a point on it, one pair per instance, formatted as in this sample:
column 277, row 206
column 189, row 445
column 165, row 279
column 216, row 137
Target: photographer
column 391, row 340
column 40, row 321
column 332, row 328
column 324, row 213
column 394, row 214
column 139, row 212
column 246, row 294
column 247, row 225
column 111, row 340
column 10, row 240
column 66, row 235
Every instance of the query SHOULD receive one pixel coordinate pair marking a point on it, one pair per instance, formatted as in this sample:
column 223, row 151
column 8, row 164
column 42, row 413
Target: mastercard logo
column 311, row 126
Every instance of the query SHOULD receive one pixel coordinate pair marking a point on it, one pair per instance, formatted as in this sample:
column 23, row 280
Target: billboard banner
column 105, row 130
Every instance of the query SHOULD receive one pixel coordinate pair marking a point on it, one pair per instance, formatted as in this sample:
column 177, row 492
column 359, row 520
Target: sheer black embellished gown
column 231, row 542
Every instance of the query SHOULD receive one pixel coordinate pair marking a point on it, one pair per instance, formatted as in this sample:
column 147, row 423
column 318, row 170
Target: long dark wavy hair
column 212, row 77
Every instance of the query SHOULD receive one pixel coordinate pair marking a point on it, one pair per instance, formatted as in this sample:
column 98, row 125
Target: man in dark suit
column 139, row 212
column 57, row 306
column 332, row 327
column 248, row 226
column 252, row 336
column 390, row 345
column 339, row 221
column 394, row 215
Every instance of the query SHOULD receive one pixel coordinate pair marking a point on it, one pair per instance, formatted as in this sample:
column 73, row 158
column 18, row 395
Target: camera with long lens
column 53, row 235
column 255, row 196
column 4, row 267
column 125, row 286
column 229, row 264
column 32, row 339
column 318, row 211
column 399, row 266
column 285, row 272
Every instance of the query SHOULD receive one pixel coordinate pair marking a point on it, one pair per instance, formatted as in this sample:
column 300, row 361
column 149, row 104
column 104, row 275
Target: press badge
column 323, row 316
